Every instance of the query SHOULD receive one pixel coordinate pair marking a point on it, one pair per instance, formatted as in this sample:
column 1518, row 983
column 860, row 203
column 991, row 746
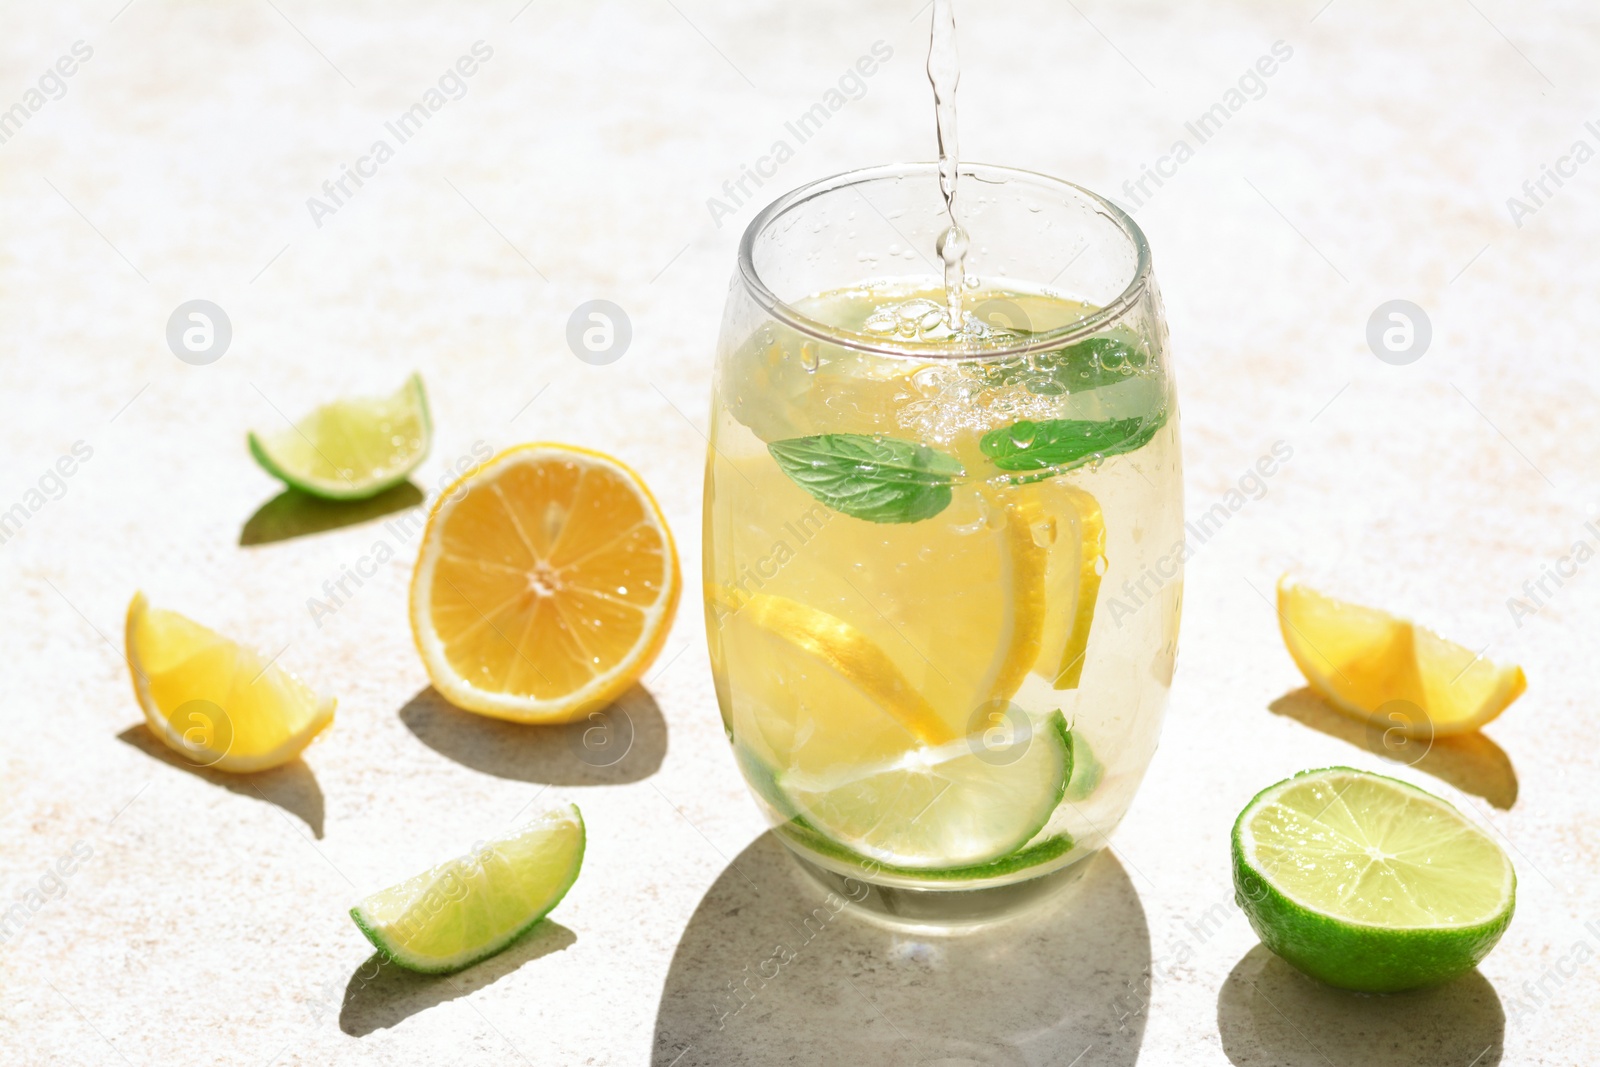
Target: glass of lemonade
column 943, row 554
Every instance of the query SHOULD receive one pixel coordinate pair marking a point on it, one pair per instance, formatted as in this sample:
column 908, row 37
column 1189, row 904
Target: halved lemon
column 1367, row 663
column 213, row 702
column 545, row 586
column 810, row 692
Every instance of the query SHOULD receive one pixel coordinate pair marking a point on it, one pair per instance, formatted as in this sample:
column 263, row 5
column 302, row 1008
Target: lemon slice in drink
column 957, row 602
column 1365, row 662
column 812, row 693
column 471, row 907
column 1368, row 883
column 351, row 449
column 212, row 701
column 1072, row 528
column 546, row 584
column 961, row 804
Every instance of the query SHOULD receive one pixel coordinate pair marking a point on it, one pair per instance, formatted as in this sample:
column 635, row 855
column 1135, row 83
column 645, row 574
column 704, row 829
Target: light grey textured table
column 203, row 920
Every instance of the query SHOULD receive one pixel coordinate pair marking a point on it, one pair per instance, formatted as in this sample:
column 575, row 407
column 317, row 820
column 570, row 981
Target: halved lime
column 351, row 449
column 961, row 804
column 468, row 908
column 1368, row 883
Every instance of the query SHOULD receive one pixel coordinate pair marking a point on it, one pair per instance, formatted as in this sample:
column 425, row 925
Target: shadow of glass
column 773, row 969
column 291, row 787
column 1470, row 762
column 381, row 994
column 623, row 742
column 1268, row 1012
column 294, row 514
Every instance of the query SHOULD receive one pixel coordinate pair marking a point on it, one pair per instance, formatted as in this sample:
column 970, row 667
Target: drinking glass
column 943, row 574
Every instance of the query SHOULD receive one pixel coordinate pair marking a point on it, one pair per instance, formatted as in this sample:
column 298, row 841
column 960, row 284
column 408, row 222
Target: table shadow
column 294, row 514
column 1270, row 1013
column 622, row 742
column 1470, row 762
column 291, row 787
column 773, row 969
column 381, row 994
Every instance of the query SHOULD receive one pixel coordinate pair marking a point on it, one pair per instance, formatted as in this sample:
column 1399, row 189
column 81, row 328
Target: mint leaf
column 1092, row 364
column 879, row 479
column 1060, row 444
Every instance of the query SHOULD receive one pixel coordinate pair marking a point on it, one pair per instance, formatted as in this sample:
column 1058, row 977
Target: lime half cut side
column 351, row 449
column 1368, row 883
column 958, row 805
column 472, row 907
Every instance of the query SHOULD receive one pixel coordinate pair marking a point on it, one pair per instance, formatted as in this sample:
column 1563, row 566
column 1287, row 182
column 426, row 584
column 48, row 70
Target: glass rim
column 1107, row 315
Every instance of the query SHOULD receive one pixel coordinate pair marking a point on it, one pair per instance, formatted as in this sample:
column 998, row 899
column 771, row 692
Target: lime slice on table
column 960, row 805
column 351, row 449
column 1368, row 883
column 472, row 907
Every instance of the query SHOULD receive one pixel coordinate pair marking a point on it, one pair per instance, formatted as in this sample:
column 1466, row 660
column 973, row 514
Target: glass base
column 945, row 911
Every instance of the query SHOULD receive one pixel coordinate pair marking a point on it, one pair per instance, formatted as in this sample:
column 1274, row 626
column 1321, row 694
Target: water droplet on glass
column 808, row 357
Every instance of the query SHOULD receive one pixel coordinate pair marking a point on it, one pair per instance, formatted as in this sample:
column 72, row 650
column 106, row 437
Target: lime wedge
column 472, row 907
column 958, row 805
column 351, row 449
column 1368, row 883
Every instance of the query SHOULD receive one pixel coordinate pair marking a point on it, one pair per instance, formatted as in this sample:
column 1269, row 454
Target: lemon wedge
column 1365, row 662
column 213, row 702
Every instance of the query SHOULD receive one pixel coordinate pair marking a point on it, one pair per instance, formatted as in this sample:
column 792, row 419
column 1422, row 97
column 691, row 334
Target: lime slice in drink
column 351, row 449
column 1039, row 852
column 961, row 804
column 1087, row 770
column 1368, row 883
column 472, row 907
column 765, row 782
